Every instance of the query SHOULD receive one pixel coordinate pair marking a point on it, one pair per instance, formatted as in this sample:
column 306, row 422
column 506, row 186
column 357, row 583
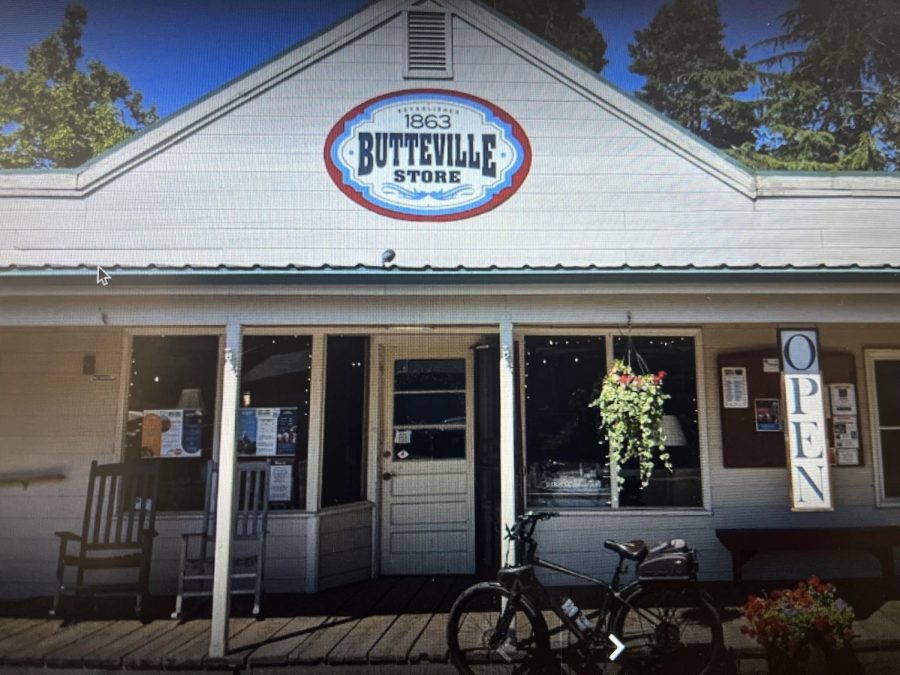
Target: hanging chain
column 630, row 348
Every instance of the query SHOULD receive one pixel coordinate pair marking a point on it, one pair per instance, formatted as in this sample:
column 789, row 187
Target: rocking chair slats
column 117, row 532
column 250, row 530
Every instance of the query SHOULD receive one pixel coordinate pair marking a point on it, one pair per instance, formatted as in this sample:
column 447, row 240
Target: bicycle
column 666, row 623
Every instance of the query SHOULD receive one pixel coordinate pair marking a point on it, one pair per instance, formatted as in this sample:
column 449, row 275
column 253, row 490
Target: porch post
column 221, row 598
column 314, row 459
column 507, row 434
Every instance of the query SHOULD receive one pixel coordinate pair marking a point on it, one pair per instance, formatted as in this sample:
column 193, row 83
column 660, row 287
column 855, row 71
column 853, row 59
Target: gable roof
column 155, row 139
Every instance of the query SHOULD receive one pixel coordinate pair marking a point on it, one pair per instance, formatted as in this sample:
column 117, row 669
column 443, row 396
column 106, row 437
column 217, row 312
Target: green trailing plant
column 631, row 408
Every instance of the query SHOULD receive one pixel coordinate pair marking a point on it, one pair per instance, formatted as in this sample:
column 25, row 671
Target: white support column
column 221, row 599
column 314, row 458
column 507, row 436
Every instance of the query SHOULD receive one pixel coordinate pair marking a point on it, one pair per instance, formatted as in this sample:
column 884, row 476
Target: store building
column 422, row 236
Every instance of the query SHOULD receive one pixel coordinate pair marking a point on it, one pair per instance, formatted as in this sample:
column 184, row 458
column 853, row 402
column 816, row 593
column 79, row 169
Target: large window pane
column 343, row 466
column 887, row 395
column 890, row 462
column 430, row 375
column 273, row 420
column 566, row 455
column 429, row 408
column 887, row 390
column 681, row 487
column 171, row 406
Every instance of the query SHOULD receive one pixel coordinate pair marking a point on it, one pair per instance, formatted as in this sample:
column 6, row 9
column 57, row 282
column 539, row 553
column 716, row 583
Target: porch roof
column 154, row 275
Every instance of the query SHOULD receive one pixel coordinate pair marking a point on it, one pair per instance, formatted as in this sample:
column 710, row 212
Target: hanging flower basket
column 631, row 407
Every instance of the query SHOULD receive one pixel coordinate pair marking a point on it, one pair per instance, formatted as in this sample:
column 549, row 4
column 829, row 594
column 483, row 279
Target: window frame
column 609, row 333
column 871, row 356
column 128, row 336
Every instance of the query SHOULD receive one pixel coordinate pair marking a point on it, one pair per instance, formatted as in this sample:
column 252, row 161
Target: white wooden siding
column 51, row 418
column 251, row 188
column 345, row 545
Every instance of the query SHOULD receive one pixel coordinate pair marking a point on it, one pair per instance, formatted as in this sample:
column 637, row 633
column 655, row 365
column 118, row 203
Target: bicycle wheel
column 482, row 638
column 668, row 628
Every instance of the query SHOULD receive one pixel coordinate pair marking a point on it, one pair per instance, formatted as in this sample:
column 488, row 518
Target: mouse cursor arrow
column 620, row 647
column 102, row 277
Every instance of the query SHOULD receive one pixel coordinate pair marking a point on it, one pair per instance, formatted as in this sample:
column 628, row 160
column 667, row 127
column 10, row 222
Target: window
column 681, row 486
column 171, row 412
column 566, row 455
column 273, row 420
column 884, row 371
column 343, row 453
column 567, row 458
column 429, row 409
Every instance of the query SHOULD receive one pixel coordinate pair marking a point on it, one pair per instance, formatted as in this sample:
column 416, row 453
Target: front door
column 427, row 521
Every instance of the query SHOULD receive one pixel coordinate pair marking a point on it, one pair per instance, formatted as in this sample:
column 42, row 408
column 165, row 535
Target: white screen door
column 427, row 476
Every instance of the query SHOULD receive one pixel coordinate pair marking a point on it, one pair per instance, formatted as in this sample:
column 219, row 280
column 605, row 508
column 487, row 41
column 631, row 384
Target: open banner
column 806, row 437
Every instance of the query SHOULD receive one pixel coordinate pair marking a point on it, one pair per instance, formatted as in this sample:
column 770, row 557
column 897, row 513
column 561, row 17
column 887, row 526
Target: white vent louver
column 428, row 50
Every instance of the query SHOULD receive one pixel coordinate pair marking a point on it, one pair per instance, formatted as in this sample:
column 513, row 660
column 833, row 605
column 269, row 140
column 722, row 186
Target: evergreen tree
column 55, row 114
column 562, row 24
column 832, row 94
column 691, row 77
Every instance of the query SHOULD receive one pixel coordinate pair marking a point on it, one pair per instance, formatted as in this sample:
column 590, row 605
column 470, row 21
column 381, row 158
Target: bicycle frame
column 521, row 580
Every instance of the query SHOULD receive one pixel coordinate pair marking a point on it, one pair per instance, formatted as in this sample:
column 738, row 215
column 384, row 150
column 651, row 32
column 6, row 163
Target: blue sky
column 175, row 51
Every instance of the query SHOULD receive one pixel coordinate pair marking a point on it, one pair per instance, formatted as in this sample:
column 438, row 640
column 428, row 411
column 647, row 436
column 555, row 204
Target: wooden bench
column 745, row 543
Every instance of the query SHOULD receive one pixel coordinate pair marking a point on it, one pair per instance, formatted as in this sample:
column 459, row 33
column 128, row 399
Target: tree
column 691, row 77
column 562, row 24
column 837, row 105
column 55, row 114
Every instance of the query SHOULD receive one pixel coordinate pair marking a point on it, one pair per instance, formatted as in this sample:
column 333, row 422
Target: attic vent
column 428, row 49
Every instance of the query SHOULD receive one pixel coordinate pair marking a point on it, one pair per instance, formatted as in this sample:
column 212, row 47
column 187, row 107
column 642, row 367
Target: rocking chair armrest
column 68, row 536
column 187, row 536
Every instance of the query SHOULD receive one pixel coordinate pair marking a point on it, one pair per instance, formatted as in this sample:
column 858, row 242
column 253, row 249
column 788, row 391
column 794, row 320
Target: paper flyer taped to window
column 171, row 433
column 267, row 432
column 280, row 479
column 734, row 388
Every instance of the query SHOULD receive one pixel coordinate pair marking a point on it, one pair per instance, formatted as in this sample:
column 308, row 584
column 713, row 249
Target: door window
column 429, row 409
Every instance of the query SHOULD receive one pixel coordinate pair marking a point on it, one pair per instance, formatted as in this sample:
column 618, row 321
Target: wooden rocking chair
column 117, row 533
column 249, row 543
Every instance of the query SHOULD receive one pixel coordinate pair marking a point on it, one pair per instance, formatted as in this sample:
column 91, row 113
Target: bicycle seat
column 633, row 550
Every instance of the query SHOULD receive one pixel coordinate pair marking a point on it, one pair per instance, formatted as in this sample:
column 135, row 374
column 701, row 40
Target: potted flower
column 787, row 622
column 631, row 408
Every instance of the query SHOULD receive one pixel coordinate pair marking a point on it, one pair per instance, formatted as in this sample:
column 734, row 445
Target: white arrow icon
column 102, row 277
column 620, row 647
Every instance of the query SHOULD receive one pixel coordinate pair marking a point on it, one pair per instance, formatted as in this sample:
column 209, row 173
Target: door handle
column 387, row 475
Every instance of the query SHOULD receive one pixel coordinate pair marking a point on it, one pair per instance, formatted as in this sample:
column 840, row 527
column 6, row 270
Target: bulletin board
column 751, row 435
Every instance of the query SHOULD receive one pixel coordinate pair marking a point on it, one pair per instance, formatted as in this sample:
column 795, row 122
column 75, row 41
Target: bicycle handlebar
column 525, row 524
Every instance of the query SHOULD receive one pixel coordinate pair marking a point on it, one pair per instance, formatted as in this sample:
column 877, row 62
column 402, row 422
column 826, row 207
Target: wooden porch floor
column 385, row 621
column 385, row 625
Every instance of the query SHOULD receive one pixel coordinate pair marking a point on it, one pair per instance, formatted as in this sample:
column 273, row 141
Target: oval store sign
column 428, row 154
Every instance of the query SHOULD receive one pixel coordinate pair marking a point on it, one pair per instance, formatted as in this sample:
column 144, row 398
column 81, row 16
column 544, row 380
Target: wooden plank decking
column 385, row 621
column 377, row 626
